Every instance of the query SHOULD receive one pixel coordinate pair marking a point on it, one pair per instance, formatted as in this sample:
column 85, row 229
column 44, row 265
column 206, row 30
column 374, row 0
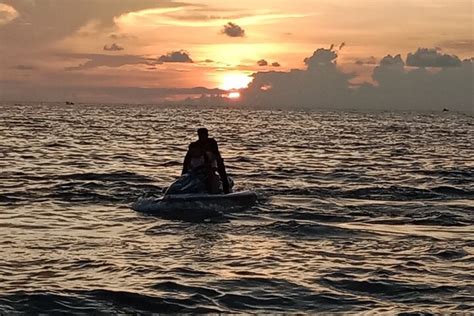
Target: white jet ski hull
column 200, row 205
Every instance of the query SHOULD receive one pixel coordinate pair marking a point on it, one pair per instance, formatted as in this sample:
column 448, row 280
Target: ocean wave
column 135, row 302
column 170, row 286
column 311, row 230
column 8, row 198
column 451, row 254
column 100, row 188
column 315, row 215
column 99, row 301
column 461, row 174
column 384, row 193
column 106, row 177
column 186, row 299
column 273, row 294
column 391, row 289
column 189, row 272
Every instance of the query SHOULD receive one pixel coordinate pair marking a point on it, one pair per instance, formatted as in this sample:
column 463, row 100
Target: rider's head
column 203, row 134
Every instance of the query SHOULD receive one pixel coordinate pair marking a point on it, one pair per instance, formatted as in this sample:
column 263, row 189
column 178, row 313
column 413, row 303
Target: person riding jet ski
column 201, row 163
column 197, row 193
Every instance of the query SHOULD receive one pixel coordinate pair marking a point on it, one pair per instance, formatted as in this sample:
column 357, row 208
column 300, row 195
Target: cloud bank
column 395, row 84
column 323, row 85
column 103, row 94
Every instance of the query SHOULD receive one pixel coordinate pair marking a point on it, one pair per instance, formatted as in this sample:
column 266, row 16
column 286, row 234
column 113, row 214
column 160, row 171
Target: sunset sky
column 56, row 49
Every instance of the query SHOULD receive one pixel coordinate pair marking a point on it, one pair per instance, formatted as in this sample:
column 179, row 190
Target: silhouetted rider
column 205, row 153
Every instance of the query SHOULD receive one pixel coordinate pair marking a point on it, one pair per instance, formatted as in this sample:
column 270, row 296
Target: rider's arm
column 223, row 175
column 221, row 168
column 186, row 163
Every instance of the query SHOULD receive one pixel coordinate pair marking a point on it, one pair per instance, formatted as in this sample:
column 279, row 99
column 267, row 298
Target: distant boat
column 69, row 103
column 445, row 110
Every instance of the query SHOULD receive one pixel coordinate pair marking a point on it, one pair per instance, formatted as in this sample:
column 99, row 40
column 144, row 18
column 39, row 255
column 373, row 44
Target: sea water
column 356, row 211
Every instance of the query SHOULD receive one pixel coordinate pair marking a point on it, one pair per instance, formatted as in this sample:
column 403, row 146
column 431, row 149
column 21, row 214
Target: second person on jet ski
column 204, row 154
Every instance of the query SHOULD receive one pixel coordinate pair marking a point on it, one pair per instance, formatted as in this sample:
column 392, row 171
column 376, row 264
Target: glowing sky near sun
column 212, row 44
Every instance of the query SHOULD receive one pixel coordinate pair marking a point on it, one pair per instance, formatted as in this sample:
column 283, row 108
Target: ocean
column 356, row 212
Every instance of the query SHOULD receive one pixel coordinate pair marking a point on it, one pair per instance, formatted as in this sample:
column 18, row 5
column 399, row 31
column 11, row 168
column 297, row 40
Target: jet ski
column 187, row 198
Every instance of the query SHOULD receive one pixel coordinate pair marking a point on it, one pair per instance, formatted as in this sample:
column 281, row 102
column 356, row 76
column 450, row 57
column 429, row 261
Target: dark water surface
column 357, row 212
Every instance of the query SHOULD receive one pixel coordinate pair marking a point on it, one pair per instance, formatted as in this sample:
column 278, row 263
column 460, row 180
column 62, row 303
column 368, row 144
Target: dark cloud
column 114, row 61
column 431, row 57
column 233, row 30
column 12, row 90
column 420, row 89
column 40, row 22
column 276, row 64
column 114, row 47
column 179, row 56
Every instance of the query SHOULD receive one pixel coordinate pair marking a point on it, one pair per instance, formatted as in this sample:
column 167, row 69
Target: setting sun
column 234, row 95
column 232, row 81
